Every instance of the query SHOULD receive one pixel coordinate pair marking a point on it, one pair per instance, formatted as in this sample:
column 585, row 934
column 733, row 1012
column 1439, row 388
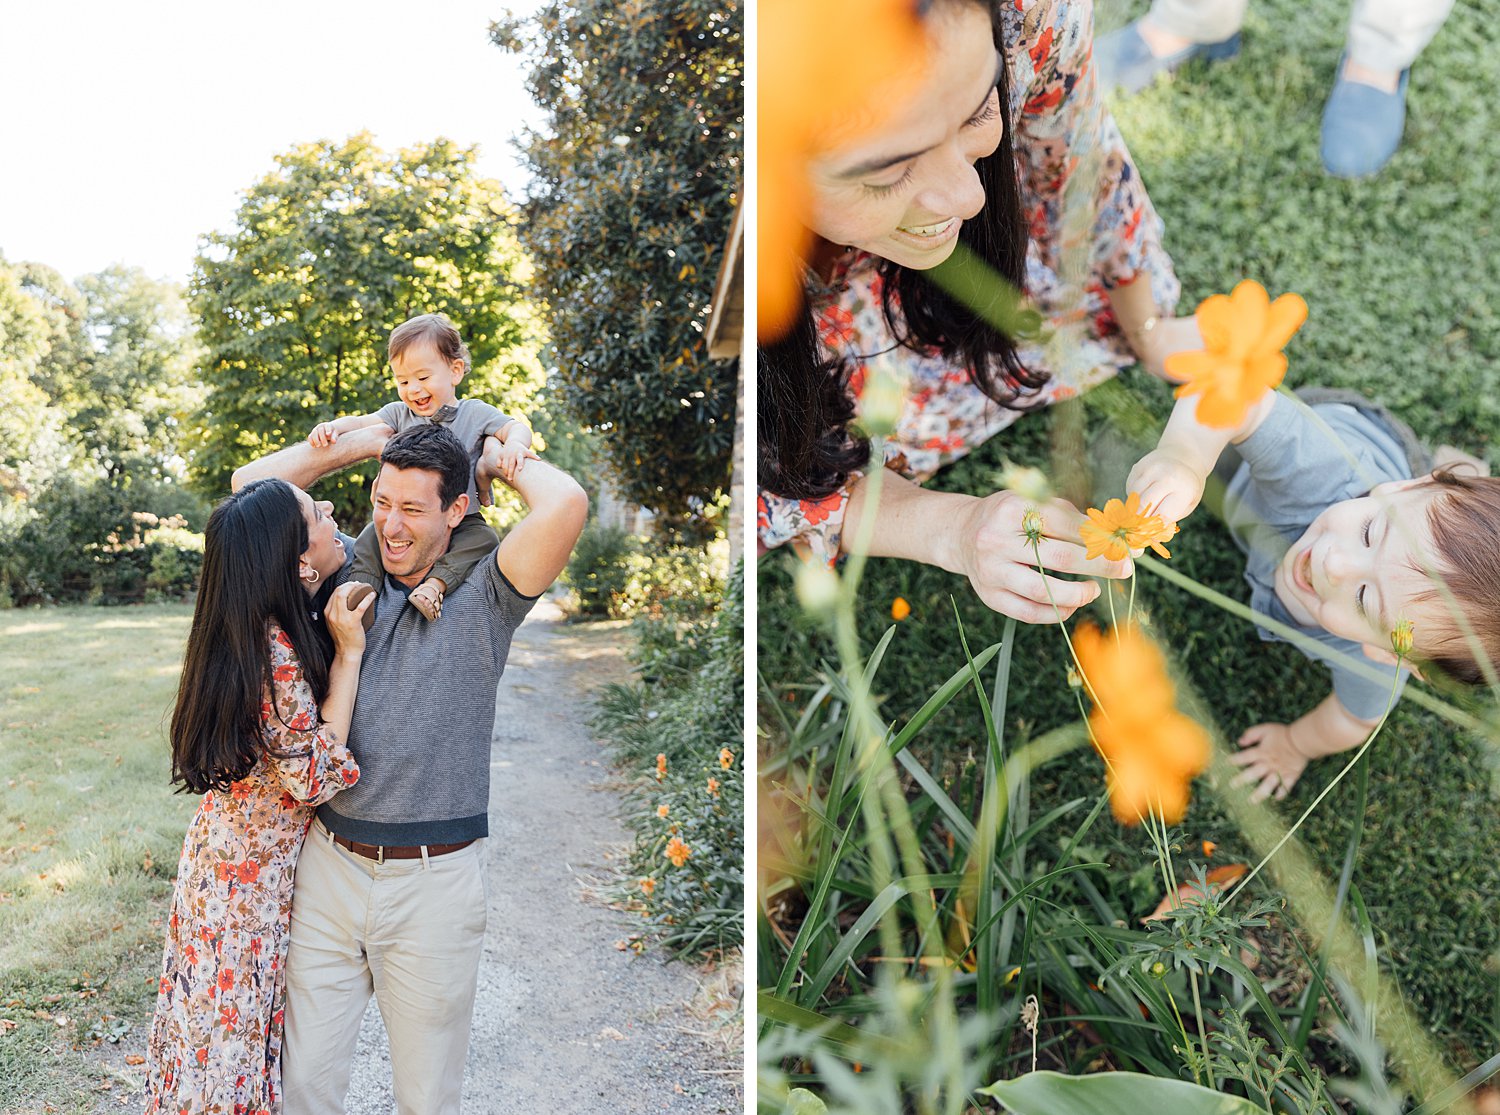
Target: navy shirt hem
column 453, row 830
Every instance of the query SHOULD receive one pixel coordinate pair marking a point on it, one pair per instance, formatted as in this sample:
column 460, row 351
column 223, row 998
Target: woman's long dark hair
column 251, row 548
column 806, row 450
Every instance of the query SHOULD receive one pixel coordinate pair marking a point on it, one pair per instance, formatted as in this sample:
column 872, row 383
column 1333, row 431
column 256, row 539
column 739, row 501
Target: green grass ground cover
column 1404, row 289
column 90, row 833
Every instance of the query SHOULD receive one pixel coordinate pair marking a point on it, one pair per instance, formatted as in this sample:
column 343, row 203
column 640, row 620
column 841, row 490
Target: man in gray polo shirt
column 390, row 895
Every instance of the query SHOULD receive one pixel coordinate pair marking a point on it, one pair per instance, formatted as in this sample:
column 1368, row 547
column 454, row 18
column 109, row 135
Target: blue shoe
column 1362, row 126
column 1124, row 58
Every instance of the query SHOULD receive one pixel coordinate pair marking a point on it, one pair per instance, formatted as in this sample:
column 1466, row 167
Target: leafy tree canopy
column 634, row 191
column 329, row 252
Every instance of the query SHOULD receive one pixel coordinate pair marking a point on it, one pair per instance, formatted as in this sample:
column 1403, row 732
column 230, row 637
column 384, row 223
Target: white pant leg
column 328, row 978
column 1202, row 21
column 1389, row 34
column 426, row 938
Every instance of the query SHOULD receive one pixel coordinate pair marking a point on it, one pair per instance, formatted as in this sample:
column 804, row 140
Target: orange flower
column 1241, row 359
column 662, row 810
column 713, row 786
column 677, row 851
column 802, row 114
column 661, row 765
column 1209, row 848
column 648, row 886
column 1153, row 752
column 1123, row 527
column 900, row 609
column 726, row 758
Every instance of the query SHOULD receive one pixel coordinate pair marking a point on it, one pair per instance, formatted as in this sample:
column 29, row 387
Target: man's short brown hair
column 435, row 328
column 1465, row 523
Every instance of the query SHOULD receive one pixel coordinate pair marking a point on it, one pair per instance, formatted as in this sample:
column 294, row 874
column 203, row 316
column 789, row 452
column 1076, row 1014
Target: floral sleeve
column 814, row 527
column 1063, row 129
column 304, row 757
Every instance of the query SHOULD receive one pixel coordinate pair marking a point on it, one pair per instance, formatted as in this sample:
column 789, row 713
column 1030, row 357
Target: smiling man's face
column 411, row 523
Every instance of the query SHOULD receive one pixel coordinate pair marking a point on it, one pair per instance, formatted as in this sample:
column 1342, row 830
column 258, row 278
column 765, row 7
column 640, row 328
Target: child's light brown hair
column 1465, row 523
column 435, row 328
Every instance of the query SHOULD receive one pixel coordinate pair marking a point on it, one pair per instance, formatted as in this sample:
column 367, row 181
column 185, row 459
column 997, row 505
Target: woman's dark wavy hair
column 806, row 450
column 250, row 551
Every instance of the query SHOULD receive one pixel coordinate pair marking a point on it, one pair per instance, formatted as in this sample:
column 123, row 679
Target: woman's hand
column 1168, row 335
column 346, row 623
column 998, row 559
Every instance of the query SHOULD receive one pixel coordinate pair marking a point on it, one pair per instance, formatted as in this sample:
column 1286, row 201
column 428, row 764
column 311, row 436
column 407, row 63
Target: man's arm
column 536, row 549
column 304, row 465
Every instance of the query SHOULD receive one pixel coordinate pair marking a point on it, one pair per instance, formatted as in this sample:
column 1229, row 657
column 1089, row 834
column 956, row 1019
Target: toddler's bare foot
column 428, row 597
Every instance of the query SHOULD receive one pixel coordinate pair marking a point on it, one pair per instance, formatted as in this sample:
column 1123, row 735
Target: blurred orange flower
column 881, row 55
column 1153, row 752
column 726, row 758
column 1241, row 358
column 662, row 810
column 677, row 851
column 648, row 885
column 1209, row 848
column 713, row 786
column 1122, row 527
column 661, row 766
column 900, row 609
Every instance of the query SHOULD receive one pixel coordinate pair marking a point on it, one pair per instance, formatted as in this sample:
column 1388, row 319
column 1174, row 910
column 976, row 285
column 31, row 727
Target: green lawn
column 90, row 833
column 1404, row 288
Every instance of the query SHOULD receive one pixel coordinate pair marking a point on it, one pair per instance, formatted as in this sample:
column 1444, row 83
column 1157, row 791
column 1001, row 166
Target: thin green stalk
column 1202, row 1031
column 1350, row 765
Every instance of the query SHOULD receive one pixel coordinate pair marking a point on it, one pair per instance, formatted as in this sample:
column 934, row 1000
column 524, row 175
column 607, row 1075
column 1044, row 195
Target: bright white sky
column 129, row 130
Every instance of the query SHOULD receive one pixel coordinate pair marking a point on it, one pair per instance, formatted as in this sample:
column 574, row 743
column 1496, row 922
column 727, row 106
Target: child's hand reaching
column 323, row 435
column 1169, row 485
column 511, row 457
column 1271, row 758
column 428, row 597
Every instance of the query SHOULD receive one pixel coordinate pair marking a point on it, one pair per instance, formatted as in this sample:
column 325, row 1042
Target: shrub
column 680, row 729
column 597, row 571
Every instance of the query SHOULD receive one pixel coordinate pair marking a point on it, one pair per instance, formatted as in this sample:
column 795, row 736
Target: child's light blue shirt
column 1292, row 472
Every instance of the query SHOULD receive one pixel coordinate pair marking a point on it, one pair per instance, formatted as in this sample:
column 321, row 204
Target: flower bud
column 1028, row 483
column 881, row 401
column 817, row 588
column 1401, row 638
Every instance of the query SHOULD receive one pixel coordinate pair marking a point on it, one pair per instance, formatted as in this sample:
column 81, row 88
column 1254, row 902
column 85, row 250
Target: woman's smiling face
column 903, row 192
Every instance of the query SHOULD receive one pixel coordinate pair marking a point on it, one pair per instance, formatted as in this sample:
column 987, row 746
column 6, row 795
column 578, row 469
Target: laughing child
column 428, row 360
column 1340, row 543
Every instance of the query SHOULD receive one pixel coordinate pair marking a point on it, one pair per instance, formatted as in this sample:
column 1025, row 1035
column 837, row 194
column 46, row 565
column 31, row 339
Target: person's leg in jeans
column 426, row 938
column 1366, row 111
column 328, row 979
column 1172, row 33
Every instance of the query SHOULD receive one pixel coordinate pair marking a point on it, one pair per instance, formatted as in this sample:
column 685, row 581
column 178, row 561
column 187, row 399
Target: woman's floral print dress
column 1092, row 229
column 216, row 1041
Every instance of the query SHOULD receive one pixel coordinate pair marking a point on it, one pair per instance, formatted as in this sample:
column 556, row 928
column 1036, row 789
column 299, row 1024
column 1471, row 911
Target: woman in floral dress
column 261, row 716
column 1007, row 150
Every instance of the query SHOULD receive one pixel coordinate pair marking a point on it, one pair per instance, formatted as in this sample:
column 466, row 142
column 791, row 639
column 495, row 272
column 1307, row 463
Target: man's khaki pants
column 1383, row 34
column 410, row 931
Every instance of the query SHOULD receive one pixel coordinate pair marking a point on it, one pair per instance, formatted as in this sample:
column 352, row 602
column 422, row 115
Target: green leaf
column 1109, row 1093
column 802, row 1102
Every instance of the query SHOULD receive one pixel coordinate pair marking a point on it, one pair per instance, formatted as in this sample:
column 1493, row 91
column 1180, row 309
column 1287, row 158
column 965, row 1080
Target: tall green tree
column 329, row 252
column 34, row 437
column 635, row 181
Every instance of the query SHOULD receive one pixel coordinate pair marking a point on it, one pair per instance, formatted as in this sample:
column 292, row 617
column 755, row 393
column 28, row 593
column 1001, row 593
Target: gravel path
column 566, row 1022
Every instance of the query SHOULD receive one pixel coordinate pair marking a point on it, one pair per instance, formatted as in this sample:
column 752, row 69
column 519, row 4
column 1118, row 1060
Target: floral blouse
column 215, row 1043
column 1092, row 229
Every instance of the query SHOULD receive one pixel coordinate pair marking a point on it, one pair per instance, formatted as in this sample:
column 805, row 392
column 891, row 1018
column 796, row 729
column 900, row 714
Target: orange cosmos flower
column 661, row 765
column 1241, row 359
column 726, row 758
column 648, row 886
column 882, row 55
column 662, row 810
column 677, row 851
column 1123, row 527
column 1153, row 752
column 900, row 609
column 713, row 786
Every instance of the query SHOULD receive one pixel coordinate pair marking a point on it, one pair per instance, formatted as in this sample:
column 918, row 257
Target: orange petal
column 1251, row 306
column 1286, row 316
column 1193, row 366
column 1263, row 373
column 1215, row 322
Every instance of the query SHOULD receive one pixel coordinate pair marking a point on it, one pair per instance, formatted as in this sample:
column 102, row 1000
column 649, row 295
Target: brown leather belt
column 382, row 852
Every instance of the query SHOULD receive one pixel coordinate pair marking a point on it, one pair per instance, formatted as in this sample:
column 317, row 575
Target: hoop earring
column 314, row 578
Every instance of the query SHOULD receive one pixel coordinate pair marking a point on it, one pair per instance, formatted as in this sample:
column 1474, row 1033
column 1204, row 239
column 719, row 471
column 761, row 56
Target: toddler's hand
column 428, row 598
column 1271, row 758
column 322, row 436
column 1169, row 486
column 510, row 459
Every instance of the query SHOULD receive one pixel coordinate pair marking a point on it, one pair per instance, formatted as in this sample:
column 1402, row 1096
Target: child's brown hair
column 437, row 329
column 1465, row 525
